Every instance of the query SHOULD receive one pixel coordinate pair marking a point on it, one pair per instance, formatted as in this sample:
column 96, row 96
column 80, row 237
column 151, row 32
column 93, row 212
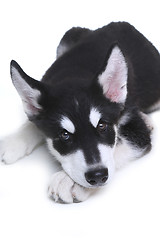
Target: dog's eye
column 101, row 126
column 65, row 135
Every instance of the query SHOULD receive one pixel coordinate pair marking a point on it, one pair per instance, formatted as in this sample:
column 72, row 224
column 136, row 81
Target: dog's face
column 81, row 134
column 80, row 124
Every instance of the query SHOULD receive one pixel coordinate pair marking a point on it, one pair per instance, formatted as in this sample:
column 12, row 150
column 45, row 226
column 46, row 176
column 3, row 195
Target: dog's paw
column 64, row 190
column 13, row 148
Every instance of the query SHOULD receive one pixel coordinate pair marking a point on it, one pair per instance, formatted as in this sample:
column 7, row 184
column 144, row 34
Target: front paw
column 12, row 148
column 64, row 190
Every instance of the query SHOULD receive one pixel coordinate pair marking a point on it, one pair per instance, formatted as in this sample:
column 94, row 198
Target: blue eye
column 65, row 135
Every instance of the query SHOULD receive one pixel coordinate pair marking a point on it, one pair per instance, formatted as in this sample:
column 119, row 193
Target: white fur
column 63, row 188
column 107, row 160
column 125, row 152
column 124, row 119
column 62, row 48
column 67, row 124
column 154, row 107
column 74, row 164
column 148, row 121
column 114, row 78
column 20, row 144
column 28, row 95
column 94, row 117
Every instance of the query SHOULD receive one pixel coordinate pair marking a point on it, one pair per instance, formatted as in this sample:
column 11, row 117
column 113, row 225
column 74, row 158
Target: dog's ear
column 28, row 89
column 113, row 78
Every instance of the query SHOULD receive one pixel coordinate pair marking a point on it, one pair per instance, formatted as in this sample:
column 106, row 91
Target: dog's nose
column 97, row 177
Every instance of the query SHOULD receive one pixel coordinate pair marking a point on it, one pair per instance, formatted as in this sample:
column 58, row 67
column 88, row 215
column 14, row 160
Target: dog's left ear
column 113, row 78
column 28, row 89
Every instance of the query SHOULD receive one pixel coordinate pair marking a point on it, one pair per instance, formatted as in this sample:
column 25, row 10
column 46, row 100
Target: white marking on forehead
column 67, row 124
column 94, row 116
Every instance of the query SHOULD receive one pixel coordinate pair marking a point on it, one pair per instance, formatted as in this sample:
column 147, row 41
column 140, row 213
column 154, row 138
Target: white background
column 129, row 207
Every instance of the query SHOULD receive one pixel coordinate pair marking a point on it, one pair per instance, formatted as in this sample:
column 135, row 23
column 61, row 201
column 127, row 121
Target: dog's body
column 90, row 106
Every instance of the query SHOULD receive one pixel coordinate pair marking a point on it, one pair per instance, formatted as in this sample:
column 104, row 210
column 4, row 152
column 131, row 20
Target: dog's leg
column 125, row 152
column 64, row 190
column 134, row 138
column 22, row 143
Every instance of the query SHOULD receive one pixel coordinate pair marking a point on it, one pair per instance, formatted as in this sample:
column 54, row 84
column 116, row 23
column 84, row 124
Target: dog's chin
column 87, row 185
column 96, row 186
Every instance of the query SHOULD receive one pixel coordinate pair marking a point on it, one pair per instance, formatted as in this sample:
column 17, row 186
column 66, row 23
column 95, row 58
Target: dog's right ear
column 114, row 76
column 28, row 89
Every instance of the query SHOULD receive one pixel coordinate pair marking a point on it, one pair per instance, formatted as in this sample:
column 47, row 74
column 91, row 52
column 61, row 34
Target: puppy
column 90, row 106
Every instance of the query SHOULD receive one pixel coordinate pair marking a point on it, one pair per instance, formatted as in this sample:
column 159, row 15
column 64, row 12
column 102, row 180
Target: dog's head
column 80, row 123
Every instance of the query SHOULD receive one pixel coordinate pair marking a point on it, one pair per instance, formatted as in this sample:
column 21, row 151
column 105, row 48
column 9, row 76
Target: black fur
column 73, row 77
column 72, row 37
column 136, row 131
column 88, row 57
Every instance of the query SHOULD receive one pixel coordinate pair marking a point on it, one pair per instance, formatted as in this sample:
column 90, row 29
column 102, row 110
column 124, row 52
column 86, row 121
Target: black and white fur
column 90, row 107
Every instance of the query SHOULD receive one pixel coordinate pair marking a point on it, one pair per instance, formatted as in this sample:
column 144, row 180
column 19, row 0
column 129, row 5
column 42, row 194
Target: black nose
column 97, row 177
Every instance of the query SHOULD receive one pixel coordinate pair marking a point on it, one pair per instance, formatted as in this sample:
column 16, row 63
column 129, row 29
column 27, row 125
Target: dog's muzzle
column 97, row 177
